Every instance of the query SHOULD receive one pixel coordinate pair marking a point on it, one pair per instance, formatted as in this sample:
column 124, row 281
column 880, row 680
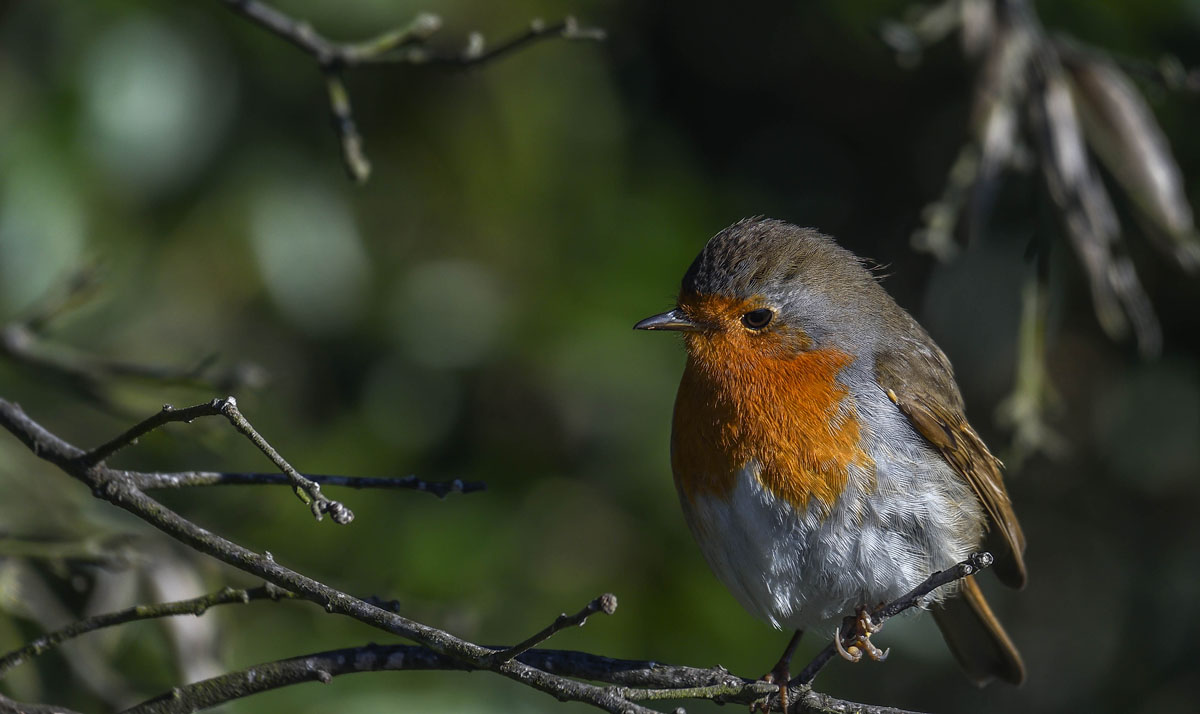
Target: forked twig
column 403, row 45
column 187, row 479
column 307, row 490
column 606, row 603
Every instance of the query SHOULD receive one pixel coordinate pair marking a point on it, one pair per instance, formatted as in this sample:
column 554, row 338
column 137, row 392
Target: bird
column 821, row 452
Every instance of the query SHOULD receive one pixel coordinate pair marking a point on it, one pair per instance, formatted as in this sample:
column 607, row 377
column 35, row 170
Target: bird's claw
column 779, row 676
column 861, row 643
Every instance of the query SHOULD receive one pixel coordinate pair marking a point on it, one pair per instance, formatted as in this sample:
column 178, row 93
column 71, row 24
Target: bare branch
column 403, row 45
column 10, row 706
column 330, row 54
column 112, row 486
column 324, row 666
column 184, row 479
column 636, row 680
column 355, row 160
column 606, row 603
column 308, row 491
column 477, row 53
column 195, row 606
column 166, row 415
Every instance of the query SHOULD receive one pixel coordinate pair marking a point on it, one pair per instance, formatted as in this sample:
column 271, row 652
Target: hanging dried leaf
column 1123, row 132
column 999, row 95
column 1087, row 211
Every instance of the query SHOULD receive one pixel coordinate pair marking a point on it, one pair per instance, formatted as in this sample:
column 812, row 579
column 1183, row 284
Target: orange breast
column 742, row 400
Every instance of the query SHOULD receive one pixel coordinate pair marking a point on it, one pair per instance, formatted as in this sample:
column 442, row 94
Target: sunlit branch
column 403, row 45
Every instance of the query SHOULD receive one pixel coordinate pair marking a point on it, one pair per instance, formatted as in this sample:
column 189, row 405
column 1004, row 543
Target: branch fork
column 306, row 490
column 403, row 45
column 606, row 603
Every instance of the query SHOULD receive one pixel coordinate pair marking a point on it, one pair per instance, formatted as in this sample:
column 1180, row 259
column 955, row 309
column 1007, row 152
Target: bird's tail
column 976, row 638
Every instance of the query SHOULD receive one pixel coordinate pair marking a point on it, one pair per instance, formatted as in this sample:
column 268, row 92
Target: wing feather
column 920, row 381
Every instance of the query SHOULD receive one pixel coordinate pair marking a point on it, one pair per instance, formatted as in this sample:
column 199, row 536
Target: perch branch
column 636, row 680
column 973, row 564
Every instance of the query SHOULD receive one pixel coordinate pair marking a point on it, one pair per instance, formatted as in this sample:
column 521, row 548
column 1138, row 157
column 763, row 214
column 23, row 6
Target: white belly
column 882, row 538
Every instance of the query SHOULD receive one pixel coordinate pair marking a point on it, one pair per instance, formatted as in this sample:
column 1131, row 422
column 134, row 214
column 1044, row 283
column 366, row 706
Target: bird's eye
column 758, row 319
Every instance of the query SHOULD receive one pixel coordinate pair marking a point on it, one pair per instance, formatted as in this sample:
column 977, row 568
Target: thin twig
column 606, row 603
column 11, row 706
column 973, row 564
column 186, row 479
column 477, row 53
column 195, row 606
column 307, row 490
column 326, row 52
column 402, row 45
column 167, row 415
column 353, row 156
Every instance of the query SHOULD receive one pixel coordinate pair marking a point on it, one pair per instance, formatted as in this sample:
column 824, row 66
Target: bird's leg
column 780, row 674
column 861, row 643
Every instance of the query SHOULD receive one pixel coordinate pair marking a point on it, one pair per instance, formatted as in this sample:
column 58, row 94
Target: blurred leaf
column 310, row 254
column 158, row 100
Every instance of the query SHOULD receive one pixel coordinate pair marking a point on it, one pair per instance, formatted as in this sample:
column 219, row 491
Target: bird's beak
column 673, row 320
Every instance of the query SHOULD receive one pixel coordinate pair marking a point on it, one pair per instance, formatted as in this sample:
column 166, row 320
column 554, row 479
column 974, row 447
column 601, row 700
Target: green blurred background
column 467, row 314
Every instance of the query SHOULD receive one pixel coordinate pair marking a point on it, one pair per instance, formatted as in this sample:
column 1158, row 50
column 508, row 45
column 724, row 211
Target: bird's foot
column 859, row 638
column 780, row 675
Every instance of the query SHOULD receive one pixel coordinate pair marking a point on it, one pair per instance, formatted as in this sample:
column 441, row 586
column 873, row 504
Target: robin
column 820, row 449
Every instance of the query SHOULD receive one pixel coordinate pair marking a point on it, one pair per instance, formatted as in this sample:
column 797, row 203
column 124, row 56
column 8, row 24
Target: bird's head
column 763, row 288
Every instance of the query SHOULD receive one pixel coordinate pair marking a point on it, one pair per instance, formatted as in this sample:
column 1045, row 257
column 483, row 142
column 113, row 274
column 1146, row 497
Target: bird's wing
column 919, row 379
